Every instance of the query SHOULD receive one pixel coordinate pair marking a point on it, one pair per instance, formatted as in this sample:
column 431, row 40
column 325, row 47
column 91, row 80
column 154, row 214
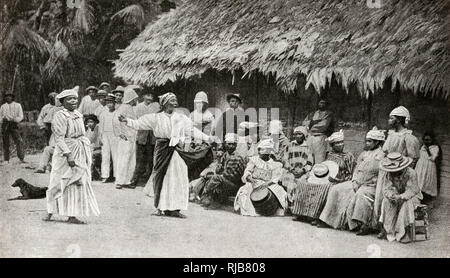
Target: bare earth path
column 126, row 229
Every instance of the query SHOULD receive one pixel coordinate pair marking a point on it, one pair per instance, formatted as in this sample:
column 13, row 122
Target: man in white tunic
column 45, row 117
column 89, row 102
column 108, row 139
column 171, row 183
column 126, row 145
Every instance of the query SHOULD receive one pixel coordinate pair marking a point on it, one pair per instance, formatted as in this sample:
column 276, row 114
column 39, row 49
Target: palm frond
column 53, row 69
column 84, row 17
column 21, row 45
column 131, row 15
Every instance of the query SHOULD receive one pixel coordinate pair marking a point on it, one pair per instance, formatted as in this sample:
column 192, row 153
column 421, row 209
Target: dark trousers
column 11, row 129
column 48, row 132
column 144, row 162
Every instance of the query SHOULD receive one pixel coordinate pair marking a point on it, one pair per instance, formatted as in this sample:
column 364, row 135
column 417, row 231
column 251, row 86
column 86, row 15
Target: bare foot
column 48, row 217
column 74, row 220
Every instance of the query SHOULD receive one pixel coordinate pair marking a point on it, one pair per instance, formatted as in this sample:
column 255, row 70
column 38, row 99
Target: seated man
column 298, row 159
column 261, row 172
column 227, row 178
column 360, row 210
column 401, row 196
column 93, row 134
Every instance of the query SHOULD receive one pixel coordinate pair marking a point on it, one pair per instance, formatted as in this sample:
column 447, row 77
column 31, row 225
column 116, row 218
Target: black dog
column 28, row 191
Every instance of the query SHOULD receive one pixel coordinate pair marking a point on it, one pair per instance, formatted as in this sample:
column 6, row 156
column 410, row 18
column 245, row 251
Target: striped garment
column 309, row 199
column 298, row 156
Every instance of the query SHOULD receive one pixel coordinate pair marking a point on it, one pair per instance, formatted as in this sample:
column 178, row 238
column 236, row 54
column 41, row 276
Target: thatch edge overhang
column 406, row 41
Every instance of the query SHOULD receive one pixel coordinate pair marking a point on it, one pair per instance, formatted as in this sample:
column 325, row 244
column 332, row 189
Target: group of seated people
column 377, row 192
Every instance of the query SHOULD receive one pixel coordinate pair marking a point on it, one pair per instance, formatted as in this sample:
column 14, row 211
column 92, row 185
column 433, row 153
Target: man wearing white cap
column 227, row 179
column 401, row 196
column 126, row 145
column 399, row 139
column 170, row 170
column 89, row 102
column 320, row 124
column 45, row 117
column 261, row 172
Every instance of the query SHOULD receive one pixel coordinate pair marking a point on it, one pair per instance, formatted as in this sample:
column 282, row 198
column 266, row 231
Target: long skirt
column 318, row 147
column 335, row 211
column 397, row 217
column 427, row 176
column 170, row 174
column 70, row 191
column 360, row 210
column 309, row 199
column 126, row 161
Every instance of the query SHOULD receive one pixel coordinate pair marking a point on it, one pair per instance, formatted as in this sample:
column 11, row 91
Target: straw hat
column 118, row 89
column 395, row 162
column 91, row 88
column 104, row 84
column 322, row 171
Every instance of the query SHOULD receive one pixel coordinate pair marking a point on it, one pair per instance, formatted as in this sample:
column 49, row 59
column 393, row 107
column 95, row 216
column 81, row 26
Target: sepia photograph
column 229, row 129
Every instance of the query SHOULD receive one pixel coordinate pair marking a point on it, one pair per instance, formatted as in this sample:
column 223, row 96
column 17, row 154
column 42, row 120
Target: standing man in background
column 45, row 117
column 89, row 102
column 145, row 141
column 320, row 124
column 11, row 114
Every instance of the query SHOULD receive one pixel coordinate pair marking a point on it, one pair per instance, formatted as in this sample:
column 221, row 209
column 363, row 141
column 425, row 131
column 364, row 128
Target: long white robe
column 70, row 192
column 176, row 127
column 126, row 149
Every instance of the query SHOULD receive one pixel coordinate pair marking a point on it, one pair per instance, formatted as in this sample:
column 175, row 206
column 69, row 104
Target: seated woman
column 227, row 178
column 401, row 196
column 364, row 182
column 261, row 172
column 340, row 194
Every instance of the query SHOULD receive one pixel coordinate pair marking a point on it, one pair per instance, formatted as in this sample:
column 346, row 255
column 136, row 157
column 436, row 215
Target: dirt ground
column 126, row 229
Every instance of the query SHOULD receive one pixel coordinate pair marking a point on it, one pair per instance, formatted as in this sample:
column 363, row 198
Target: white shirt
column 12, row 112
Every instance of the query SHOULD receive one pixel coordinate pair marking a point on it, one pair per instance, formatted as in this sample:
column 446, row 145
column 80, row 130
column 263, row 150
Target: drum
column 264, row 201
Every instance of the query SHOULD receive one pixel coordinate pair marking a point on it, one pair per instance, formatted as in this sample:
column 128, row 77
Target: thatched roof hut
column 406, row 41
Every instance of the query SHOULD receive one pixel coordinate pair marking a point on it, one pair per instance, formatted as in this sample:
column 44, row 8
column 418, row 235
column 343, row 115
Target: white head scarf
column 69, row 92
column 166, row 97
column 336, row 137
column 401, row 111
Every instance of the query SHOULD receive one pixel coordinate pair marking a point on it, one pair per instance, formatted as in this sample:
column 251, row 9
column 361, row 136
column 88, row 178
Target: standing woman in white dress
column 170, row 168
column 70, row 192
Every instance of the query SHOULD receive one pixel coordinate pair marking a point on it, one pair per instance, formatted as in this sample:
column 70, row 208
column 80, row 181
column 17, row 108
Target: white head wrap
column 69, row 92
column 376, row 134
column 231, row 138
column 401, row 111
column 166, row 97
column 266, row 144
column 336, row 137
column 301, row 129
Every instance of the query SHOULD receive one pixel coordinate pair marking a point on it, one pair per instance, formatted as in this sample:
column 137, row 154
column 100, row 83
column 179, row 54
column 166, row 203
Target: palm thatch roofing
column 405, row 40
